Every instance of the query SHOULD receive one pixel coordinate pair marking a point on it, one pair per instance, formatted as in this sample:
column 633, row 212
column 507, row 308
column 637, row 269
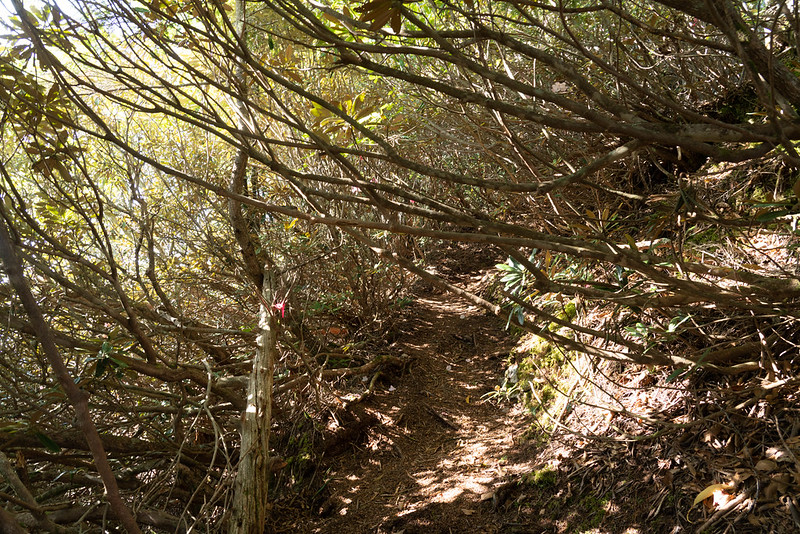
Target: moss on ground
column 542, row 478
column 544, row 365
column 595, row 512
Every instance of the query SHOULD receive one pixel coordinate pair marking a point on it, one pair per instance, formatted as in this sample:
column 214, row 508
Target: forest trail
column 440, row 450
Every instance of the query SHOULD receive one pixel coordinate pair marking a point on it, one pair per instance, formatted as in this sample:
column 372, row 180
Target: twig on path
column 724, row 510
column 440, row 418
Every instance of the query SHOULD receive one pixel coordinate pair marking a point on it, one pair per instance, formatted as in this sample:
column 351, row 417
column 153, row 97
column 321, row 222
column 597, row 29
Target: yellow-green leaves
column 333, row 128
column 709, row 491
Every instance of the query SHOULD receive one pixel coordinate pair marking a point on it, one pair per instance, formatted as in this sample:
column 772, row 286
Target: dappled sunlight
column 448, row 495
column 426, row 481
column 440, row 448
column 445, row 455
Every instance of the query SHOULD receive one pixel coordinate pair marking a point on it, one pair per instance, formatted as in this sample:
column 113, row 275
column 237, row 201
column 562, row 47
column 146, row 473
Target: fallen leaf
column 770, row 493
column 778, row 454
column 766, row 466
column 467, row 511
column 709, row 491
column 486, row 496
column 665, row 478
column 710, row 434
column 781, row 482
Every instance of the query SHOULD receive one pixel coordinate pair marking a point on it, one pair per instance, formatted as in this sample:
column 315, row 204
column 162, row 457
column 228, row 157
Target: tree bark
column 8, row 523
column 250, row 501
column 250, row 498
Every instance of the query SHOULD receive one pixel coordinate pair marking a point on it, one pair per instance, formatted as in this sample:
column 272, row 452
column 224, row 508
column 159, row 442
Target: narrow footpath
column 440, row 453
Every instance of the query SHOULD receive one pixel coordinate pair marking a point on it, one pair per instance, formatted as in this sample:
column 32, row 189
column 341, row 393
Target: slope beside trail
column 438, row 452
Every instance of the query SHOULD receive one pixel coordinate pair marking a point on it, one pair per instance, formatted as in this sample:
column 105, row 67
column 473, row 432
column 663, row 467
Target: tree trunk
column 250, row 501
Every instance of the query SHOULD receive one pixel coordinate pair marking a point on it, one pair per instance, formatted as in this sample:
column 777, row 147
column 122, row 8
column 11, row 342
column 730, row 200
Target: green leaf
column 675, row 322
column 12, row 426
column 674, row 374
column 771, row 215
column 102, row 365
column 631, row 242
column 48, row 443
column 118, row 363
column 783, row 203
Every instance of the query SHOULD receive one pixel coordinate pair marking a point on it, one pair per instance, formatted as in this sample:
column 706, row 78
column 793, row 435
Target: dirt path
column 440, row 452
column 426, row 453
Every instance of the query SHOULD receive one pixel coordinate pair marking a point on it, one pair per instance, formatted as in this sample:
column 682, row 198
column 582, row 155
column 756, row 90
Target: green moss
column 708, row 235
column 553, row 359
column 544, row 367
column 539, row 346
column 594, row 512
column 759, row 195
column 542, row 478
column 547, row 394
column 554, row 509
column 530, row 375
column 534, row 435
column 569, row 312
